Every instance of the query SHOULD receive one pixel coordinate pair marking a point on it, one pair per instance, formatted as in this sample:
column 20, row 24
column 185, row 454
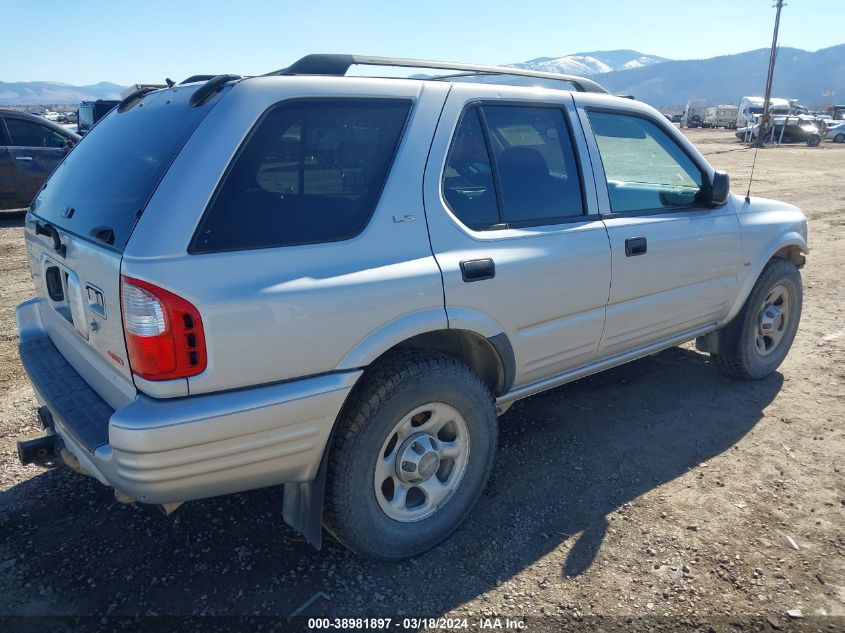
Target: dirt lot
column 660, row 488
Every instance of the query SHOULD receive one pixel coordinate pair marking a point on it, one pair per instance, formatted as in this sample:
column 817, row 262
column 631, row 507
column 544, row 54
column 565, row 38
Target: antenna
column 751, row 177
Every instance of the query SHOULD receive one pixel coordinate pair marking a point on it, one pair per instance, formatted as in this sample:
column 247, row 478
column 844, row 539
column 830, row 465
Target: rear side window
column 311, row 172
column 512, row 166
column 31, row 134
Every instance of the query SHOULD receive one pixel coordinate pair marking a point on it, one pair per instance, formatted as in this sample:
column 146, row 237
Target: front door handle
column 23, row 157
column 635, row 246
column 477, row 269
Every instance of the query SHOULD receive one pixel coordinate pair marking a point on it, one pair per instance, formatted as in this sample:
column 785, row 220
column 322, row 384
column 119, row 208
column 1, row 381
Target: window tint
column 535, row 162
column 645, row 168
column 468, row 179
column 311, row 172
column 30, row 134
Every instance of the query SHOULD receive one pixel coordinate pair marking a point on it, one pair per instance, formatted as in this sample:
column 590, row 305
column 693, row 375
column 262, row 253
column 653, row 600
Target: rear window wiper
column 104, row 234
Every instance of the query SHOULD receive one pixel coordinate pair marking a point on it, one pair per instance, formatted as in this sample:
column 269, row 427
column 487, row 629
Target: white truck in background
column 750, row 109
column 694, row 113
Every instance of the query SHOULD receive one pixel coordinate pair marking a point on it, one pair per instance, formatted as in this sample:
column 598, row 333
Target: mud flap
column 302, row 506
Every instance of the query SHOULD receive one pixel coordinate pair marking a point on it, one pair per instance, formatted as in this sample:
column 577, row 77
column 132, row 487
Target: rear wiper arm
column 104, row 234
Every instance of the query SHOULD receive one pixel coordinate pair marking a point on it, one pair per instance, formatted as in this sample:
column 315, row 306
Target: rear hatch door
column 80, row 223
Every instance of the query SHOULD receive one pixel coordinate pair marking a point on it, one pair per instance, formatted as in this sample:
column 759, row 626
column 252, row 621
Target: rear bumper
column 169, row 450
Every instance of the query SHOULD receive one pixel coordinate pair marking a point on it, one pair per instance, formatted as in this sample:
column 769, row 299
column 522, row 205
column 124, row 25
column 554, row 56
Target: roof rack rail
column 194, row 78
column 135, row 96
column 326, row 64
column 210, row 88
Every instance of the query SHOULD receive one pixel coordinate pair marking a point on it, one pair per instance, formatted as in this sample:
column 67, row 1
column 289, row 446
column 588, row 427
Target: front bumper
column 171, row 450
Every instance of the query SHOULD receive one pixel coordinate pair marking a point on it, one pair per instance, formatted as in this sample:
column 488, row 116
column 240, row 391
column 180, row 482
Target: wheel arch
column 472, row 338
column 791, row 246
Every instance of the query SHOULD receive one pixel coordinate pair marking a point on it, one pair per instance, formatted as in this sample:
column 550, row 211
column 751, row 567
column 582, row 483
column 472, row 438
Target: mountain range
column 52, row 92
column 662, row 82
column 799, row 74
column 597, row 62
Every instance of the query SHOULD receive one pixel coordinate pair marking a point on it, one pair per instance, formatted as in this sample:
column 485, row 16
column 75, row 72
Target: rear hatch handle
column 52, row 232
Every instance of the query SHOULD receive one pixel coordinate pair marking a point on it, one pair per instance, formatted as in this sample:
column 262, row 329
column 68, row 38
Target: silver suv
column 337, row 283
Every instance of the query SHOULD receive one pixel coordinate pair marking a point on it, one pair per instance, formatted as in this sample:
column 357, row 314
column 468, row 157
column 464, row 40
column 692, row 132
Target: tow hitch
column 43, row 451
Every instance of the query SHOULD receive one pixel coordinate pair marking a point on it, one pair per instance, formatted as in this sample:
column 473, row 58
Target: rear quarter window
column 311, row 171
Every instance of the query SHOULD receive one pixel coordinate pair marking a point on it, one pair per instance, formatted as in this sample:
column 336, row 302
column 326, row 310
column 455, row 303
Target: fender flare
column 792, row 238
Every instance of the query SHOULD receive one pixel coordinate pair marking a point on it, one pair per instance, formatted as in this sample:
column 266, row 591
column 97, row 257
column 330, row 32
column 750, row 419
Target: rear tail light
column 164, row 335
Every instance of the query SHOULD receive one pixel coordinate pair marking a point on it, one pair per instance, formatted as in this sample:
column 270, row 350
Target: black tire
column 388, row 392
column 738, row 355
column 839, row 138
column 814, row 140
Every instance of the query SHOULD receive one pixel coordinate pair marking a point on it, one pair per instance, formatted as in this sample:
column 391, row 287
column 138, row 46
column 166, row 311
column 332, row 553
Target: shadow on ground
column 567, row 459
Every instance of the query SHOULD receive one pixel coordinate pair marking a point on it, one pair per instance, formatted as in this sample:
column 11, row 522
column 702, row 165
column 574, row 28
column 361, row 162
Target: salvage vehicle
column 31, row 147
column 338, row 283
column 785, row 129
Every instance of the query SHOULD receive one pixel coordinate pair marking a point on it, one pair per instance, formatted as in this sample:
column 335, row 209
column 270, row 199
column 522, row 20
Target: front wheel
column 411, row 455
column 754, row 344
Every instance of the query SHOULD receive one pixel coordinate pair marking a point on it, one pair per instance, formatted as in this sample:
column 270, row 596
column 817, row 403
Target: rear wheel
column 411, row 455
column 814, row 140
column 754, row 344
column 839, row 138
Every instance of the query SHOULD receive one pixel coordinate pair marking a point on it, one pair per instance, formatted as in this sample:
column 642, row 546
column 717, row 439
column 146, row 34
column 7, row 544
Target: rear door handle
column 23, row 157
column 635, row 246
column 477, row 269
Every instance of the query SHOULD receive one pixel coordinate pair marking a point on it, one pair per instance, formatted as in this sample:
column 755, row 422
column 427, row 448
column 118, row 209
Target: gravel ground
column 659, row 489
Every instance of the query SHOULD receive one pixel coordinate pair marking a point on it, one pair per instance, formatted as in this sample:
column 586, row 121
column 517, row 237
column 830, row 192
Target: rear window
column 311, row 172
column 101, row 188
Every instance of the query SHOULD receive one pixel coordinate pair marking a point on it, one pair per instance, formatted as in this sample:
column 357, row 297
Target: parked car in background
column 31, row 147
column 835, row 131
column 785, row 129
column 92, row 111
column 337, row 284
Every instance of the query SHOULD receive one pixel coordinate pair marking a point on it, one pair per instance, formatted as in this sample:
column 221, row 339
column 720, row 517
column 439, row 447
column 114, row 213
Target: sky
column 144, row 41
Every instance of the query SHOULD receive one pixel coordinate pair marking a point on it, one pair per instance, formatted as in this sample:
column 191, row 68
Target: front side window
column 645, row 168
column 30, row 134
column 512, row 166
column 311, row 172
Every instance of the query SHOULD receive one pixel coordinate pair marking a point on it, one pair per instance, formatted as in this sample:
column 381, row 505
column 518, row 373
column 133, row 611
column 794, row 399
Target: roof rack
column 324, row 64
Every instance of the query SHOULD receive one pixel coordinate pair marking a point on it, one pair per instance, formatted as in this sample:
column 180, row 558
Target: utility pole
column 764, row 120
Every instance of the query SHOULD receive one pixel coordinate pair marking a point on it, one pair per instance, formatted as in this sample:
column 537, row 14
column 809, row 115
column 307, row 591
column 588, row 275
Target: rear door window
column 468, row 179
column 512, row 166
column 311, row 172
column 536, row 164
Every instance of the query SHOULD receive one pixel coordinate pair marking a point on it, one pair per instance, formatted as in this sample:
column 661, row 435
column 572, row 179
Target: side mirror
column 720, row 188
